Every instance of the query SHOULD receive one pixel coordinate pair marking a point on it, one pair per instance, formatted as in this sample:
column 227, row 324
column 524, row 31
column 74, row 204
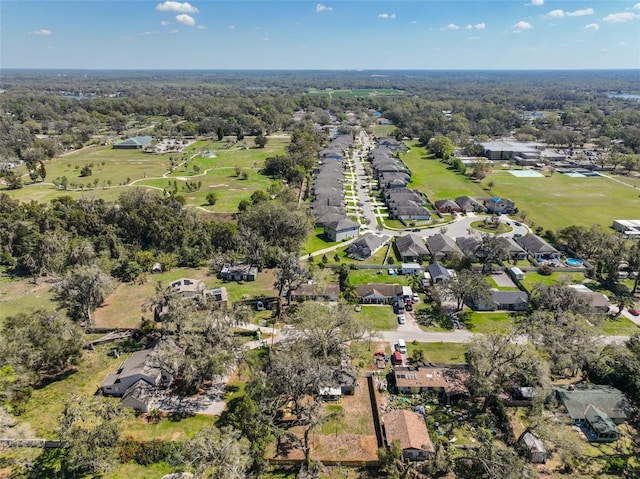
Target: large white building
column 628, row 227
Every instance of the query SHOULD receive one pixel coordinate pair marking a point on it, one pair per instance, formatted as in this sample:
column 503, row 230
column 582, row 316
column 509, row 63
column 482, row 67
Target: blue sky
column 301, row 34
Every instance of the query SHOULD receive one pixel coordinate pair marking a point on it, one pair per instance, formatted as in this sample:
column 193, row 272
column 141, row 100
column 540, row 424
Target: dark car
column 415, row 230
column 517, row 223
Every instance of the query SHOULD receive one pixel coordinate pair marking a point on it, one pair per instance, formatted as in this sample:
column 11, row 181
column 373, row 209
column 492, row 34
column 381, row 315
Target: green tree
column 40, row 344
column 91, row 428
column 441, row 146
column 212, row 197
column 217, row 453
column 82, row 291
column 261, row 140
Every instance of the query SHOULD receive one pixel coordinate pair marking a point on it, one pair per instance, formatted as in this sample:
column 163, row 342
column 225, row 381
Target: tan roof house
column 410, row 430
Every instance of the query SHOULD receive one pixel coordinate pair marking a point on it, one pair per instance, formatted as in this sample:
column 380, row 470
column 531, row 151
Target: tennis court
column 526, row 174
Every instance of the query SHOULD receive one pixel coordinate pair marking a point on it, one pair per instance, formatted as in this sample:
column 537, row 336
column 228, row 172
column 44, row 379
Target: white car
column 401, row 319
column 416, row 298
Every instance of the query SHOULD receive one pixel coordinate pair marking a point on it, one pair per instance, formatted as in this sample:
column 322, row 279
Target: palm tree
column 622, row 301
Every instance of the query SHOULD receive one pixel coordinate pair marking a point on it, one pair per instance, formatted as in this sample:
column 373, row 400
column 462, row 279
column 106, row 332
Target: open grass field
column 444, row 353
column 552, row 202
column 21, row 295
column 487, row 322
column 133, row 168
column 531, row 278
column 123, row 308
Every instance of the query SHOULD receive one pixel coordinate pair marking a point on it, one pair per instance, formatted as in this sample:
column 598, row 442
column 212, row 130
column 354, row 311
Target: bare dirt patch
column 349, row 438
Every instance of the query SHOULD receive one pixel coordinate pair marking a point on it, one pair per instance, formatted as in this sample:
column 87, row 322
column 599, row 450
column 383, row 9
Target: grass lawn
column 444, row 353
column 552, row 202
column 317, row 241
column 487, row 322
column 380, row 318
column 500, row 229
column 619, row 326
column 435, row 179
column 364, row 276
column 21, row 295
column 531, row 278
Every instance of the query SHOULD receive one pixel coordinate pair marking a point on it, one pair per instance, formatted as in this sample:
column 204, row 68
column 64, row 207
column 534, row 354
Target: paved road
column 458, row 227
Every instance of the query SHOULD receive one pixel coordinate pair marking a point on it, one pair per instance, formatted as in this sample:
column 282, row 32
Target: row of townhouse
column 328, row 205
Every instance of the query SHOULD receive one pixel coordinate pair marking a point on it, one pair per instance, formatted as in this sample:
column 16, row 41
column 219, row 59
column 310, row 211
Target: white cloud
column 468, row 27
column 521, row 26
column 594, row 27
column 480, row 26
column 177, row 7
column 200, row 27
column 556, row 14
column 636, row 7
column 387, row 15
column 323, row 8
column 41, row 33
column 581, row 13
column 620, row 17
column 185, row 19
column 535, row 3
column 232, row 27
column 451, row 26
column 164, row 23
column 146, row 34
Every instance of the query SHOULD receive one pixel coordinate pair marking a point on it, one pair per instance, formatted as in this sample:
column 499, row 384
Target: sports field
column 553, row 202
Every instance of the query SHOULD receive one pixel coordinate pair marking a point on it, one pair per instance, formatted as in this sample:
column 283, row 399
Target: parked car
column 416, row 298
column 401, row 319
column 415, row 230
column 635, row 311
column 517, row 223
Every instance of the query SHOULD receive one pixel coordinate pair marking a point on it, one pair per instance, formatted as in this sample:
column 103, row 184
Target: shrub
column 545, row 270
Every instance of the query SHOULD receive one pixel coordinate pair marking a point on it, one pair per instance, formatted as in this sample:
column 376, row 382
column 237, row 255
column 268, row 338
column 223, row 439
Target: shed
column 330, row 393
column 533, row 447
column 516, row 273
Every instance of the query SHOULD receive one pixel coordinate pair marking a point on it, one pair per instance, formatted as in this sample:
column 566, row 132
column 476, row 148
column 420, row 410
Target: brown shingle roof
column 409, row 428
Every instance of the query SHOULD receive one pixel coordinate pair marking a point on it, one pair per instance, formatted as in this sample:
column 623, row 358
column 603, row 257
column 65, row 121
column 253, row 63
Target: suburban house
column 596, row 408
column 447, row 206
column 341, row 230
column 438, row 273
column 470, row 205
column 239, row 272
column 533, row 447
column 196, row 289
column 140, row 396
column 516, row 251
column 410, row 429
column 442, row 246
column 343, row 382
column 411, row 248
column 378, row 293
column 500, row 205
column 315, row 291
column 470, row 246
column 410, row 212
column 599, row 302
column 448, row 380
column 367, row 245
column 410, row 268
column 537, row 247
column 137, row 367
column 504, row 301
column 135, row 143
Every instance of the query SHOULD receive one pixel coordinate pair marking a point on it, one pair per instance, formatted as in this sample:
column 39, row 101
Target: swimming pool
column 573, row 262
